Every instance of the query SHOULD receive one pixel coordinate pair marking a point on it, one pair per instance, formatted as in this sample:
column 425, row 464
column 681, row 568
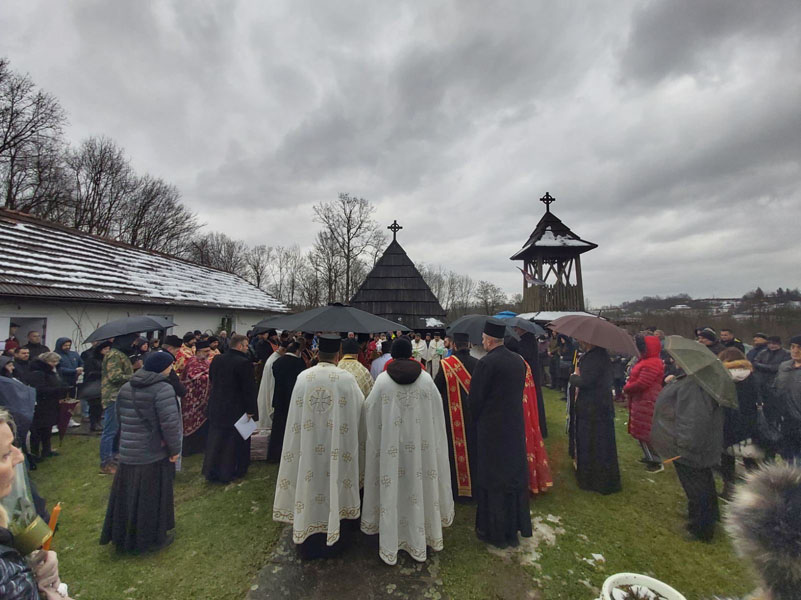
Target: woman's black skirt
column 140, row 508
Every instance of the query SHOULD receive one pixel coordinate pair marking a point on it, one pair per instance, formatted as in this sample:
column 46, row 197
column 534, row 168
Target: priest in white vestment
column 419, row 349
column 407, row 480
column 318, row 477
column 436, row 351
column 265, row 398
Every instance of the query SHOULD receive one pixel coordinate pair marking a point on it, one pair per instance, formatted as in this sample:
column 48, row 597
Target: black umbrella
column 473, row 326
column 523, row 324
column 334, row 317
column 129, row 325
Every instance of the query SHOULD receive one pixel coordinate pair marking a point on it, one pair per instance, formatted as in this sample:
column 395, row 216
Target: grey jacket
column 150, row 420
column 688, row 423
column 787, row 386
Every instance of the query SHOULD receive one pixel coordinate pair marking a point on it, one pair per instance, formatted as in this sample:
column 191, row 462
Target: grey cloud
column 667, row 131
column 669, row 39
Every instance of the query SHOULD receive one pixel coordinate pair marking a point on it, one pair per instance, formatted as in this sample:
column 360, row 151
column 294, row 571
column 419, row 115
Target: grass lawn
column 224, row 534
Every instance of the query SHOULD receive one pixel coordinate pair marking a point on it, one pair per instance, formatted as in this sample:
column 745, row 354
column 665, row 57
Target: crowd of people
column 383, row 433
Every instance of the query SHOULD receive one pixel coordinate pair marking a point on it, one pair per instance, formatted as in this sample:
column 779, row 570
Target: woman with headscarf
column 195, row 401
column 50, row 390
column 141, row 510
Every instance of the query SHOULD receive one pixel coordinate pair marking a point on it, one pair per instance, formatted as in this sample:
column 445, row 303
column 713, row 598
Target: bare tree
column 349, row 222
column 489, row 296
column 257, row 265
column 152, row 217
column 102, row 182
column 328, row 265
column 30, row 119
column 218, row 251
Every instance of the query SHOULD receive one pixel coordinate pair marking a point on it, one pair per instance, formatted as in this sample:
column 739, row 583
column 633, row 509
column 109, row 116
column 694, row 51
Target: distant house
column 66, row 283
column 680, row 307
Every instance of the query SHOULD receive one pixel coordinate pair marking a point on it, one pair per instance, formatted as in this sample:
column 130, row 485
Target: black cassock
column 501, row 484
column 529, row 349
column 232, row 393
column 469, row 363
column 593, row 424
column 286, row 370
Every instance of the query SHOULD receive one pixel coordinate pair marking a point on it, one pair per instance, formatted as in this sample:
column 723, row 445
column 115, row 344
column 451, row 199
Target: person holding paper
column 233, row 393
column 318, row 478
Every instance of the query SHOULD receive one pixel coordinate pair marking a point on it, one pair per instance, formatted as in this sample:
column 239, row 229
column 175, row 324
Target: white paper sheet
column 245, row 426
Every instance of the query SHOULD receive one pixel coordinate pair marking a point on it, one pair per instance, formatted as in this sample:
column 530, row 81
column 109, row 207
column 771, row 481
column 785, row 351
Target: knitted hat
column 709, row 335
column 774, row 339
column 156, row 362
column 796, row 339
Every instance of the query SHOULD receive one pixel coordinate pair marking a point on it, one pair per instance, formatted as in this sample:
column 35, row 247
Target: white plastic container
column 614, row 582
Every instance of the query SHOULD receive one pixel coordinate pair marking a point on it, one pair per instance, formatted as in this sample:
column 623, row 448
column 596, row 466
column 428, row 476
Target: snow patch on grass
column 527, row 553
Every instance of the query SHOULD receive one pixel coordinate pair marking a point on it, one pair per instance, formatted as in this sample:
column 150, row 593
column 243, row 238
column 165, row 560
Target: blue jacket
column 70, row 361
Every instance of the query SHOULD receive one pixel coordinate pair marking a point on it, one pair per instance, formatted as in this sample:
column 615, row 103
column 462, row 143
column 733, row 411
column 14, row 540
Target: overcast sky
column 669, row 132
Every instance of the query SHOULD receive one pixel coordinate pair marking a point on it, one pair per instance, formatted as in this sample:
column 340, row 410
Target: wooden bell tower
column 552, row 265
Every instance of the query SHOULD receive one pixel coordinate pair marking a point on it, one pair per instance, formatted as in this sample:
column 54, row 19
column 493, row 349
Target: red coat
column 642, row 388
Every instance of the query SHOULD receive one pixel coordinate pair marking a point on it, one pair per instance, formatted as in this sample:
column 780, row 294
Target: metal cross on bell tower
column 547, row 200
column 395, row 228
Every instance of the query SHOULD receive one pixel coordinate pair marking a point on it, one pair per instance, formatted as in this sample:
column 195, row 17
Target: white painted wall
column 76, row 320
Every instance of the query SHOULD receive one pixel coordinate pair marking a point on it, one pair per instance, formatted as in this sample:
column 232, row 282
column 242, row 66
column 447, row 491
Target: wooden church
column 395, row 290
column 552, row 265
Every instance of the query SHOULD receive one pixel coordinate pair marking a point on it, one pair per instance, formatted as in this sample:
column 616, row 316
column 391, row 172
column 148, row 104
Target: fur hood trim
column 764, row 519
column 738, row 364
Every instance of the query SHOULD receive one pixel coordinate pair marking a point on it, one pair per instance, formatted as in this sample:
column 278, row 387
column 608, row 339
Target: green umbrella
column 698, row 361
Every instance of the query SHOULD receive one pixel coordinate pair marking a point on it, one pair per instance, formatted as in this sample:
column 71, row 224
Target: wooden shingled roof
column 395, row 290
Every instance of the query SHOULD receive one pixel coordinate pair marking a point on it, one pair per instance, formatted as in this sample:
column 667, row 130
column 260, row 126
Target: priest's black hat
column 461, row 338
column 495, row 328
column 401, row 348
column 350, row 346
column 329, row 344
column 202, row 344
column 173, row 340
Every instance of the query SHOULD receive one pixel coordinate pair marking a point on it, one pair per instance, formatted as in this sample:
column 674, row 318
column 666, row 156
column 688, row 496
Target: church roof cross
column 395, row 228
column 547, row 200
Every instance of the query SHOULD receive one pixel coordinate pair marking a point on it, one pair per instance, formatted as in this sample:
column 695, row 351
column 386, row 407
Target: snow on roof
column 552, row 236
column 432, row 322
column 46, row 259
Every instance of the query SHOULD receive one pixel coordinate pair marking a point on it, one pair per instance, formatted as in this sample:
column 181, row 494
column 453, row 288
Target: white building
column 65, row 283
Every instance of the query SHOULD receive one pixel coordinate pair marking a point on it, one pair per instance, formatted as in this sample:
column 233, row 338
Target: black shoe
column 51, row 453
column 655, row 467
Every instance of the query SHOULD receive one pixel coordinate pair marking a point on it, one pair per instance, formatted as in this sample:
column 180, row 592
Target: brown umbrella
column 596, row 331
